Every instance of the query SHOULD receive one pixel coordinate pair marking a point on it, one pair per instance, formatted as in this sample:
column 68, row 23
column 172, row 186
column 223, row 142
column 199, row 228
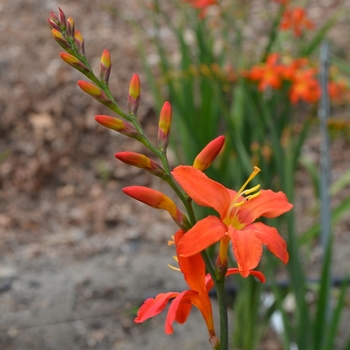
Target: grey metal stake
column 323, row 113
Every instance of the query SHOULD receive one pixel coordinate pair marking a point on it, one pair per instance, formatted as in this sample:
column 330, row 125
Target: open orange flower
column 267, row 74
column 236, row 222
column 305, row 86
column 296, row 20
column 200, row 283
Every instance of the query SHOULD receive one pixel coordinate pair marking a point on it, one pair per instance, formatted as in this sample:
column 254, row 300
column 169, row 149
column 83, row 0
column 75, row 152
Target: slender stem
column 221, row 295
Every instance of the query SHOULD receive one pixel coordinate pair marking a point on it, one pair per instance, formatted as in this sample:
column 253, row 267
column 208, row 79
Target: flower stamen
column 242, row 191
column 173, row 267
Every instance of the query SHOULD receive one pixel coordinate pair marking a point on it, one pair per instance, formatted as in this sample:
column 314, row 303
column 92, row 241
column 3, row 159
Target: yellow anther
column 251, row 190
column 171, row 242
column 234, row 206
column 253, row 196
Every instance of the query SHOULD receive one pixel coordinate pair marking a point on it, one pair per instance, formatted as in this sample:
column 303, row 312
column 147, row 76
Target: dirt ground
column 76, row 255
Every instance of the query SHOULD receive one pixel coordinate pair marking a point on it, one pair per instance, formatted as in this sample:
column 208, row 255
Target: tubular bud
column 53, row 25
column 140, row 161
column 209, row 153
column 70, row 28
column 62, row 18
column 54, row 18
column 157, row 200
column 105, row 66
column 134, row 94
column 94, row 91
column 79, row 42
column 74, row 62
column 61, row 40
column 117, row 125
column 164, row 125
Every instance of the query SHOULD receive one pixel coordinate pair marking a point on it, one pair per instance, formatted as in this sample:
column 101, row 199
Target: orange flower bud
column 70, row 28
column 140, row 161
column 79, row 42
column 209, row 153
column 157, row 200
column 117, row 125
column 74, row 62
column 61, row 40
column 105, row 66
column 164, row 125
column 134, row 94
column 94, row 91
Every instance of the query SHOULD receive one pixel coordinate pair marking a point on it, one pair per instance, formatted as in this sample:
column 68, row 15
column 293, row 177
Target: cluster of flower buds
column 71, row 40
column 65, row 34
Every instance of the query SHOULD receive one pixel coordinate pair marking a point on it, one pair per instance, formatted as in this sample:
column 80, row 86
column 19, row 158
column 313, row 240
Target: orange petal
column 268, row 204
column 193, row 267
column 203, row 234
column 153, row 306
column 247, row 249
column 179, row 309
column 177, row 312
column 259, row 275
column 274, row 242
column 202, row 190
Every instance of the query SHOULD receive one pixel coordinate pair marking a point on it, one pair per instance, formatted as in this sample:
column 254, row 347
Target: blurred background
column 76, row 255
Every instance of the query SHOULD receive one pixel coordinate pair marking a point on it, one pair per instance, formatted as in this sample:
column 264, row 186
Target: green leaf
column 318, row 38
column 314, row 231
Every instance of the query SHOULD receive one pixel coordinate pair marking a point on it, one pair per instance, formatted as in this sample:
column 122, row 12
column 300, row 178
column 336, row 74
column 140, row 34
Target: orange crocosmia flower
column 236, row 222
column 305, row 87
column 288, row 71
column 200, row 283
column 267, row 74
column 296, row 20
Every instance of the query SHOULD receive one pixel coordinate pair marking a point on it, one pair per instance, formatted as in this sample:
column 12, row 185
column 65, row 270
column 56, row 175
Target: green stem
column 221, row 295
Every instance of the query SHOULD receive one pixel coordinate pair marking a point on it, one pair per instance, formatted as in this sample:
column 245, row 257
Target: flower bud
column 209, row 153
column 70, row 28
column 54, row 18
column 117, row 125
column 53, row 25
column 105, row 66
column 62, row 18
column 134, row 94
column 74, row 62
column 164, row 126
column 79, row 42
column 95, row 92
column 157, row 200
column 140, row 161
column 61, row 40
